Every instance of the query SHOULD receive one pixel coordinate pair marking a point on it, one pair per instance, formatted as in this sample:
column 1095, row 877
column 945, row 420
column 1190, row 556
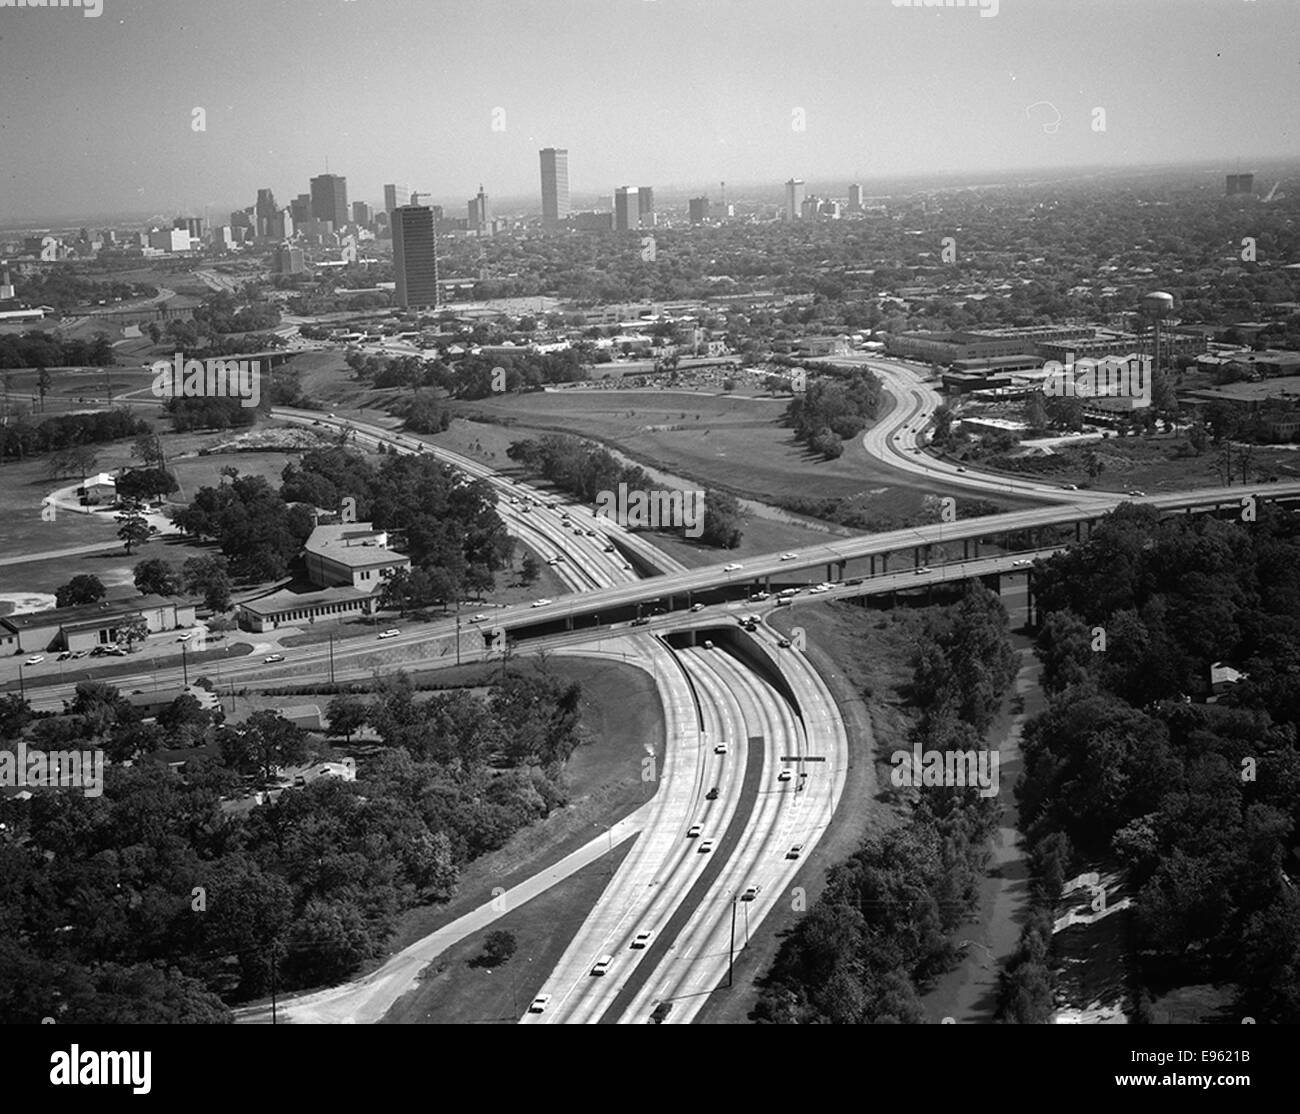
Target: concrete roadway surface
column 368, row 999
column 661, row 869
column 683, row 897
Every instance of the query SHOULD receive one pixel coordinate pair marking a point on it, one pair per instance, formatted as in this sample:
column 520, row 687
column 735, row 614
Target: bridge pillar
column 568, row 622
column 884, row 562
column 873, row 564
column 841, row 567
column 830, row 571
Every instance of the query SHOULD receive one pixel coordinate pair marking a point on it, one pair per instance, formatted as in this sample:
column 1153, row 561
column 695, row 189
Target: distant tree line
column 37, row 349
column 20, row 438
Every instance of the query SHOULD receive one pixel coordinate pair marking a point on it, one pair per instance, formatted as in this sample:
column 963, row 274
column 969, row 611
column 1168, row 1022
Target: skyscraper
column 646, row 207
column 855, row 197
column 300, row 208
column 329, row 199
column 415, row 256
column 479, row 220
column 627, row 208
column 794, row 197
column 266, row 210
column 555, row 185
column 699, row 210
column 395, row 197
column 362, row 213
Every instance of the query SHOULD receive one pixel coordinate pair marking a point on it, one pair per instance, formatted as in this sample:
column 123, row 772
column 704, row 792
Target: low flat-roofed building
column 95, row 624
column 151, row 703
column 285, row 608
column 352, row 554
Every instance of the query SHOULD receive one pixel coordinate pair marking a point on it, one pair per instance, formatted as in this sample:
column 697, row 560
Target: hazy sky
column 95, row 114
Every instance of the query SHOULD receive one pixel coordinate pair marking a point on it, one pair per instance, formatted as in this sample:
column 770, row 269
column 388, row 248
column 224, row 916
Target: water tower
column 1157, row 306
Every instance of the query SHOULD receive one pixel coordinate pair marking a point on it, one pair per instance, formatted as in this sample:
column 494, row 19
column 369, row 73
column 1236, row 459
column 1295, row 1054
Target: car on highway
column 787, row 593
column 784, row 643
column 480, row 618
column 391, row 632
column 1022, row 562
column 539, row 1003
column 641, row 939
column 922, row 569
column 759, row 597
column 784, row 775
column 961, row 469
column 705, row 846
column 271, row 659
column 818, row 589
column 641, row 622
column 794, row 851
column 542, row 602
column 554, row 560
column 185, row 637
column 35, row 659
column 694, row 830
column 1136, row 493
column 591, row 533
column 720, row 748
column 627, row 567
column 735, row 566
column 789, row 556
column 697, row 607
column 610, row 548
column 64, row 656
column 708, row 644
column 1071, row 487
column 749, row 894
column 712, row 794
column 602, row 964
column 784, row 603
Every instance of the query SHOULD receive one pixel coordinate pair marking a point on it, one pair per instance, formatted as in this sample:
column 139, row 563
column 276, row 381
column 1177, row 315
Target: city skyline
column 863, row 91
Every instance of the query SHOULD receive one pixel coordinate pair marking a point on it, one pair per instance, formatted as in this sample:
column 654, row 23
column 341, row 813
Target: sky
column 97, row 114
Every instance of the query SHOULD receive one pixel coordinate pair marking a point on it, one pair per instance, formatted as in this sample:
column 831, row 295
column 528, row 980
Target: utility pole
column 331, row 657
column 731, row 950
column 185, row 668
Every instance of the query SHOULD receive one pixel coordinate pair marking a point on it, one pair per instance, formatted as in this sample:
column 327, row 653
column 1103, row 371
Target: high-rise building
column 855, row 197
column 286, row 226
column 300, row 208
column 362, row 213
column 627, row 208
column 396, row 196
column 6, row 286
column 289, row 260
column 699, row 210
column 479, row 220
column 1238, row 184
column 415, row 256
column 555, row 185
column 646, row 207
column 794, row 197
column 267, row 212
column 193, row 226
column 329, row 199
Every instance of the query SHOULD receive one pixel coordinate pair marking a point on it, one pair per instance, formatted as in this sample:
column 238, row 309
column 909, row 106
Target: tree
column 530, row 570
column 207, row 576
column 146, row 483
column 498, row 947
column 148, row 450
column 133, row 528
column 265, row 741
column 43, row 384
column 346, row 714
column 133, row 631
column 81, row 589
column 155, row 577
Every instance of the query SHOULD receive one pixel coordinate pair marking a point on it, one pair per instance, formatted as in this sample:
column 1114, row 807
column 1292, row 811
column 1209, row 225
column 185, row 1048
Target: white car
column 818, row 590
column 697, row 607
column 749, row 894
column 784, row 775
column 391, row 632
column 35, row 659
column 479, row 619
column 733, row 567
column 794, row 851
column 922, row 569
column 789, row 556
column 641, row 939
column 271, row 659
column 539, row 1003
column 541, row 602
column 705, row 847
column 185, row 637
column 602, row 964
column 721, row 748
column 1022, row 563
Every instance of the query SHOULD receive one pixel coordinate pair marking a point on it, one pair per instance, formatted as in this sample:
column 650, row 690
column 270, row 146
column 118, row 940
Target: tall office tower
column 395, row 197
column 289, row 260
column 362, row 213
column 415, row 256
column 285, row 225
column 699, row 210
column 329, row 199
column 627, row 209
column 300, row 207
column 855, row 197
column 1238, row 184
column 479, row 220
column 266, row 210
column 810, row 208
column 192, row 225
column 555, row 185
column 794, row 196
column 646, row 207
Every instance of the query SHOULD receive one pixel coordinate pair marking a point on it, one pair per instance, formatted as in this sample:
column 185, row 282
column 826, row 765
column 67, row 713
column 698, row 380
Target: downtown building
column 555, row 185
column 329, row 199
column 415, row 256
column 795, row 194
column 634, row 208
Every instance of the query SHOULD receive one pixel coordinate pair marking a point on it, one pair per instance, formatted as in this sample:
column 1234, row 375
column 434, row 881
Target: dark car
column 712, row 794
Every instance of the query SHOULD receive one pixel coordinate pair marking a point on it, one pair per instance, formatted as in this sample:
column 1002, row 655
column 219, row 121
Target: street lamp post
column 22, row 689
